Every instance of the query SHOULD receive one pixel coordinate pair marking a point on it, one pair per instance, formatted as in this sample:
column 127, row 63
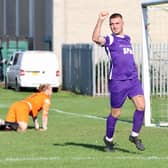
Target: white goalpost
column 145, row 61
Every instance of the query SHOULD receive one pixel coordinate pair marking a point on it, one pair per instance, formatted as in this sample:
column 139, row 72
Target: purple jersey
column 122, row 59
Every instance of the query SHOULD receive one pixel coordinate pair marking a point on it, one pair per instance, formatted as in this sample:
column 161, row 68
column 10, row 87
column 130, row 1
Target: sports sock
column 12, row 125
column 110, row 126
column 137, row 120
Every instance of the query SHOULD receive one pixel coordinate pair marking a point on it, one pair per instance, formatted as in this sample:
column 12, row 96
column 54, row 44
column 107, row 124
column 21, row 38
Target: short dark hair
column 115, row 15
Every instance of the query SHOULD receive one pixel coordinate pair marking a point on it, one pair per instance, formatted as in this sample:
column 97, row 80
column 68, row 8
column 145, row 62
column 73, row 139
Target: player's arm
column 36, row 124
column 45, row 114
column 96, row 36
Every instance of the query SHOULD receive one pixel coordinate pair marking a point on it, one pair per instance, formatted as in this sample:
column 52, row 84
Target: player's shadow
column 93, row 146
column 30, row 127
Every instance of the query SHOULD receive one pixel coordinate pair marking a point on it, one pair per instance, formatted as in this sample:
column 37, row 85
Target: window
column 15, row 61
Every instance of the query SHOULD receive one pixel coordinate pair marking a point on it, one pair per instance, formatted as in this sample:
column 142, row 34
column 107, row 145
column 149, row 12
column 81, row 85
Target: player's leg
column 2, row 124
column 118, row 95
column 22, row 116
column 6, row 125
column 17, row 117
column 110, row 128
column 16, row 126
column 138, row 117
column 111, row 122
column 22, row 126
column 11, row 126
column 10, row 120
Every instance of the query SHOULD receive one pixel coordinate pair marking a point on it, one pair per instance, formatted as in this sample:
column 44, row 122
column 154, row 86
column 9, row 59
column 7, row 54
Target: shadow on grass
column 30, row 127
column 93, row 146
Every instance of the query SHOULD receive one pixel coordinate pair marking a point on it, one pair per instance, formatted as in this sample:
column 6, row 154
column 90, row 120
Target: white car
column 29, row 69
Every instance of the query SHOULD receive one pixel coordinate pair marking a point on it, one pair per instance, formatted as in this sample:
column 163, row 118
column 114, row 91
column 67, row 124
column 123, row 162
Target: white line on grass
column 84, row 115
column 78, row 115
column 92, row 117
column 84, row 158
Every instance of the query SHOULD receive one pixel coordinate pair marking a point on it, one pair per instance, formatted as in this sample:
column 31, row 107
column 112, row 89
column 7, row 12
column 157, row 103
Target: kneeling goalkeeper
column 19, row 112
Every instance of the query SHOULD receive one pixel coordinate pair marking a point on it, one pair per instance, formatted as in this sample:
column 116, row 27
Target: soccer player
column 19, row 112
column 123, row 78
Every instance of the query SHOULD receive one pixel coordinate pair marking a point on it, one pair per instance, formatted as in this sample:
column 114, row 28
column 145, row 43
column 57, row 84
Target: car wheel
column 6, row 83
column 17, row 86
column 55, row 89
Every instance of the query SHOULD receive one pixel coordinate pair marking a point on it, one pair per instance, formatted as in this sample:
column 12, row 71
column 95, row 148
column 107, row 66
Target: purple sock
column 110, row 126
column 138, row 120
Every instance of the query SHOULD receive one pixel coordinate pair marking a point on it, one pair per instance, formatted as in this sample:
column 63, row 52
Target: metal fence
column 77, row 68
column 100, row 69
column 86, row 67
column 159, row 69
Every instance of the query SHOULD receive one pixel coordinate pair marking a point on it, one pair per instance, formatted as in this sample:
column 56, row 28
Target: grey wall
column 33, row 20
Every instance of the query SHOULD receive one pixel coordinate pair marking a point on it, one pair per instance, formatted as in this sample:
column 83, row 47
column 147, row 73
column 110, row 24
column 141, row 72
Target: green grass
column 74, row 141
column 159, row 107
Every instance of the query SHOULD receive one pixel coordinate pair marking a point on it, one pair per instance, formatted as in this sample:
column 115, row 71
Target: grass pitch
column 74, row 138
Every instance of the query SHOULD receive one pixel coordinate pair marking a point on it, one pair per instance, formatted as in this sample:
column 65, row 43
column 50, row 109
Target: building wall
column 1, row 17
column 27, row 18
column 81, row 18
column 74, row 20
column 10, row 17
column 157, row 23
column 39, row 22
column 24, row 18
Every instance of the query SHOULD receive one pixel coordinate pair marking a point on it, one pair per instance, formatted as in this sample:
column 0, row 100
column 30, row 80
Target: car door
column 13, row 70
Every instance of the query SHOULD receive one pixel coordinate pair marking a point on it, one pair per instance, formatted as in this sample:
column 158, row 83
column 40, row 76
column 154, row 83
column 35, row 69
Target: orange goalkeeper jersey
column 19, row 111
column 37, row 102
